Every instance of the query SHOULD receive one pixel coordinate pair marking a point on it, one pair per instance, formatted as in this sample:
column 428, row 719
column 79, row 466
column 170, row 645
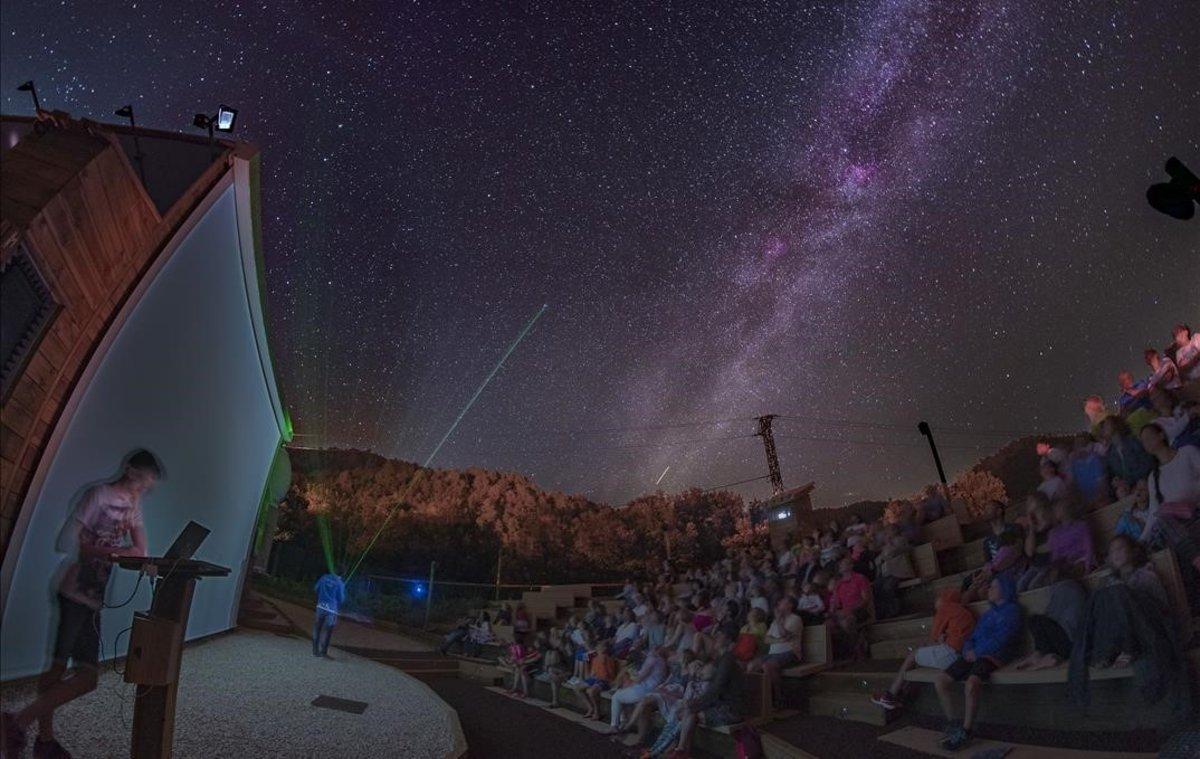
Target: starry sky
column 855, row 215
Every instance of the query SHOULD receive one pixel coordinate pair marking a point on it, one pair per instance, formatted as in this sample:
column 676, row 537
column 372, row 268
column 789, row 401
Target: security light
column 225, row 118
column 32, row 90
column 1177, row 198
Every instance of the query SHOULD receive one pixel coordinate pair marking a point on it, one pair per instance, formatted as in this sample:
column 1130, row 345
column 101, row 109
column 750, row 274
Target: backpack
column 749, row 743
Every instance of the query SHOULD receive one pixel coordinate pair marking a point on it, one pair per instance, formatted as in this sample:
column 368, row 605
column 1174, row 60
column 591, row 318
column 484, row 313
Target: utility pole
column 924, row 429
column 764, row 432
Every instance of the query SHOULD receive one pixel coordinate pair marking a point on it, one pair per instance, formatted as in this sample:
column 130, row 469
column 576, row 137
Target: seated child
column 985, row 651
column 750, row 641
column 810, row 605
column 1133, row 519
column 602, row 672
column 952, row 623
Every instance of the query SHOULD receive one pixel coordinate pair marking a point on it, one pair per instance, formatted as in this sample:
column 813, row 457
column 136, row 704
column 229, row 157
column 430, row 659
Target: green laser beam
column 478, row 392
column 324, row 531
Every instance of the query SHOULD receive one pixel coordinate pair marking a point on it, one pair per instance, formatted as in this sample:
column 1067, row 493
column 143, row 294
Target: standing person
column 1185, row 352
column 331, row 594
column 1163, row 372
column 1126, row 458
column 106, row 524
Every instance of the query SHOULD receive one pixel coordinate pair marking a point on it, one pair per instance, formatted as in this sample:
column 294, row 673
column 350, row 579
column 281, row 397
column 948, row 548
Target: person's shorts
column 581, row 655
column 596, row 681
column 982, row 668
column 938, row 656
column 783, row 660
column 78, row 637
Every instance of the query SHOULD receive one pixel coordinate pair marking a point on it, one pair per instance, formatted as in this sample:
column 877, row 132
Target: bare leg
column 772, row 672
column 1044, row 662
column 643, row 725
column 638, row 708
column 898, row 683
column 972, row 688
column 79, row 682
column 687, row 724
column 942, row 685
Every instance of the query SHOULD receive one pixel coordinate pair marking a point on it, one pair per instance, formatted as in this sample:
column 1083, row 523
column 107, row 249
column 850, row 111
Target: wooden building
column 132, row 318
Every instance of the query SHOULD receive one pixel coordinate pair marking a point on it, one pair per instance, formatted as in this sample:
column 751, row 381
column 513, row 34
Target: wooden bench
column 943, row 533
column 925, row 562
column 817, row 650
column 1035, row 601
column 1047, row 676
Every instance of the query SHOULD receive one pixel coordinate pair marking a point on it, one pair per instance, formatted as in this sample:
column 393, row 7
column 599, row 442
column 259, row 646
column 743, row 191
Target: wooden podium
column 156, row 647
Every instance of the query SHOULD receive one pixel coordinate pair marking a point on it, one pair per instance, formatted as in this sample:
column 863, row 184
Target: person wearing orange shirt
column 952, row 624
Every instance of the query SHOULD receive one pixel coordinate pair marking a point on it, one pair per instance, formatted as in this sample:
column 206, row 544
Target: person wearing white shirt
column 1174, row 486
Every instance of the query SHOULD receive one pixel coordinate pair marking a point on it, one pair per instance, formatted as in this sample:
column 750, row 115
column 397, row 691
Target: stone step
column 849, row 706
column 906, row 627
column 897, row 648
column 863, row 683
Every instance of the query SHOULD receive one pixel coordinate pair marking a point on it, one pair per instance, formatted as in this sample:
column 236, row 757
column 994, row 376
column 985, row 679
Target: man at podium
column 105, row 524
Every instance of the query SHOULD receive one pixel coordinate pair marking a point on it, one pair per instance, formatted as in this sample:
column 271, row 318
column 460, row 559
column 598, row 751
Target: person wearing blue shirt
column 331, row 594
column 989, row 648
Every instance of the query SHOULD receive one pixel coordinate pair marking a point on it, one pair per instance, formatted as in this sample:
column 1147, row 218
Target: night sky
column 861, row 214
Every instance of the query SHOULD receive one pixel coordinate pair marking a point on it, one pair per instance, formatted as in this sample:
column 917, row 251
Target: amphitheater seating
column 943, row 533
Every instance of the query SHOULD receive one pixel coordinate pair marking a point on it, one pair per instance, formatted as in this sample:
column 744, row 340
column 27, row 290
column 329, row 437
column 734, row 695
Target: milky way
column 853, row 214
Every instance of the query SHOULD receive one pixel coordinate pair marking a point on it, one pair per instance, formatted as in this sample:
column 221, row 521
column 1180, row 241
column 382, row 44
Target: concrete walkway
column 250, row 693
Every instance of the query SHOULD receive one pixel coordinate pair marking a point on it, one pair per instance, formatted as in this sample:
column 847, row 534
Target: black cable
column 902, row 443
column 127, row 601
column 731, row 484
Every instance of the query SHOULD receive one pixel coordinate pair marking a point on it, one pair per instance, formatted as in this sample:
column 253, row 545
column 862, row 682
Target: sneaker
column 886, row 700
column 50, row 749
column 13, row 738
column 955, row 740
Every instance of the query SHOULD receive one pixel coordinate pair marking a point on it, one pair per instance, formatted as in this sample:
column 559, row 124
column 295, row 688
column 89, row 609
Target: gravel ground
column 249, row 694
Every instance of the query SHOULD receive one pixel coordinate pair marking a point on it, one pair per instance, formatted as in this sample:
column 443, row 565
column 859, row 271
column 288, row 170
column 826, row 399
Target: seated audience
column 1125, row 459
column 1132, row 521
column 1096, row 411
column 479, row 635
column 751, row 641
column 1070, row 540
column 785, row 646
column 850, row 606
column 1163, row 373
column 1086, row 470
column 810, row 604
column 1054, row 631
column 952, row 623
column 895, row 566
column 717, row 704
column 1124, row 624
column 1185, row 352
column 1038, row 567
column 1174, row 485
column 651, row 674
column 987, row 649
column 1133, row 394
column 602, row 670
column 1053, row 485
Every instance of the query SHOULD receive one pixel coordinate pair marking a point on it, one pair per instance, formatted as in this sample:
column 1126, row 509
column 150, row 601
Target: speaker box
column 155, row 646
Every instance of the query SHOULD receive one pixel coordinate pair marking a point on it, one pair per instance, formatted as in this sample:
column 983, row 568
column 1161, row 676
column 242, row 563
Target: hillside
column 464, row 519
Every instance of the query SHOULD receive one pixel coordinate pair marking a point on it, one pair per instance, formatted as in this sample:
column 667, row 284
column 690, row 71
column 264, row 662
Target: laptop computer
column 188, row 541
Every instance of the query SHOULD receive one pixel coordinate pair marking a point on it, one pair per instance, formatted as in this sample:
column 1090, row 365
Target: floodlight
column 201, row 121
column 1177, row 198
column 226, row 116
column 125, row 112
column 29, row 87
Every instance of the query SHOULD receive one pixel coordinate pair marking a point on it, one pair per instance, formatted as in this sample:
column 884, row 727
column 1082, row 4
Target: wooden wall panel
column 81, row 212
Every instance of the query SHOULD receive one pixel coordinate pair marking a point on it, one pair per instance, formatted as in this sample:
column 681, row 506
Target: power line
column 849, row 441
column 906, row 427
column 739, row 482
